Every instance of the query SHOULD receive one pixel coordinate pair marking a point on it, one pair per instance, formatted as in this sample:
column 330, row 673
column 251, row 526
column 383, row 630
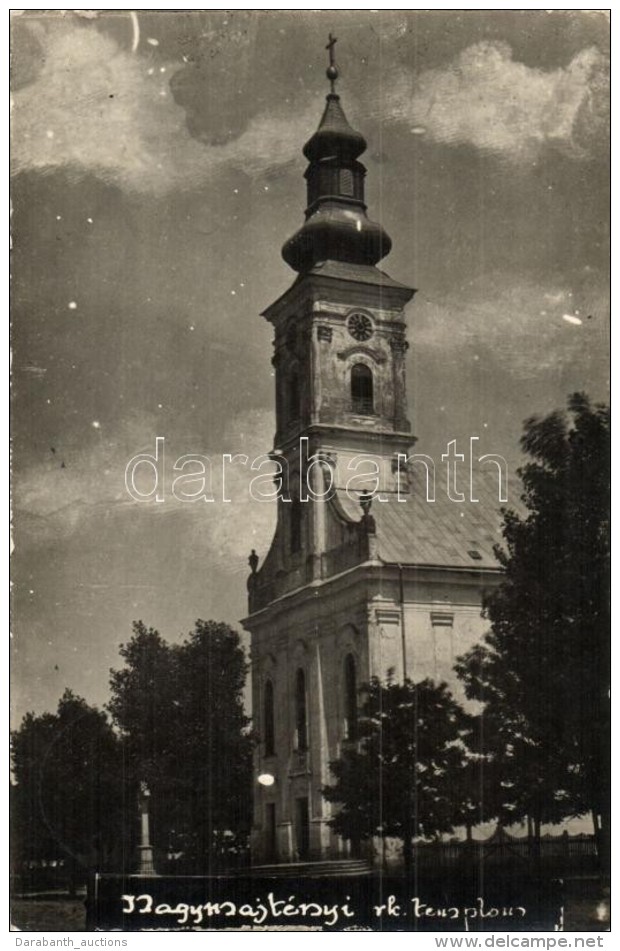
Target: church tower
column 345, row 592
column 339, row 339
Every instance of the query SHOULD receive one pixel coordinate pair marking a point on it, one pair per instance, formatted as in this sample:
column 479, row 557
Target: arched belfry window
column 350, row 698
column 362, row 396
column 269, row 732
column 294, row 408
column 295, row 525
column 301, row 718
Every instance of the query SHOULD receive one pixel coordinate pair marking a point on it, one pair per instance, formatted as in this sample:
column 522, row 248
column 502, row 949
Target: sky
column 157, row 172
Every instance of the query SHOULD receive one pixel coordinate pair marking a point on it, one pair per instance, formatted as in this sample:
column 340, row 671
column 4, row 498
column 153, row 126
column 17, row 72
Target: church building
column 373, row 566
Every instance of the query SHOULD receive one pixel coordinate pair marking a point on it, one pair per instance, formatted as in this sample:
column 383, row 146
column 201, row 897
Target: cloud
column 486, row 99
column 53, row 502
column 96, row 108
column 64, row 486
column 518, row 328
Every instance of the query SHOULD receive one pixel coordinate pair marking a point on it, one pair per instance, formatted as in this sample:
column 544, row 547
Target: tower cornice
column 322, row 434
column 360, row 284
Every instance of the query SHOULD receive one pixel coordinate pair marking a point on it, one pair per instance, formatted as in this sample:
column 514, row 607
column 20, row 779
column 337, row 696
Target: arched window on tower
column 301, row 720
column 350, row 698
column 362, row 398
column 294, row 409
column 269, row 732
column 295, row 525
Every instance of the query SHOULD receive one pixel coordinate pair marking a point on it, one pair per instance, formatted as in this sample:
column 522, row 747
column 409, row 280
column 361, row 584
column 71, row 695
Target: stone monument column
column 145, row 849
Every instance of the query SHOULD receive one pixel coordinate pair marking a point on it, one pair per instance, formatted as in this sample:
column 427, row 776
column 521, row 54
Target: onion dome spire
column 336, row 226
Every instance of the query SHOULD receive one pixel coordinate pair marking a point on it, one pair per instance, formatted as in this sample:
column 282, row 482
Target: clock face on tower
column 360, row 326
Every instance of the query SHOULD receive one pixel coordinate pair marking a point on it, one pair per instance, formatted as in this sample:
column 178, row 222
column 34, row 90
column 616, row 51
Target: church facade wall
column 354, row 623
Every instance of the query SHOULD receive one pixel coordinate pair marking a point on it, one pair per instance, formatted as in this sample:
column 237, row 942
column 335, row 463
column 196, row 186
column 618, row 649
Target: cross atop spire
column 332, row 70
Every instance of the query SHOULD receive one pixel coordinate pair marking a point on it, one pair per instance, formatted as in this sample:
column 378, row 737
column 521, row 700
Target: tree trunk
column 408, row 856
column 536, row 850
column 72, row 882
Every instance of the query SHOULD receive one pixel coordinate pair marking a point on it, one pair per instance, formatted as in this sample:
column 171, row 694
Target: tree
column 68, row 794
column 405, row 776
column 542, row 672
column 180, row 711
